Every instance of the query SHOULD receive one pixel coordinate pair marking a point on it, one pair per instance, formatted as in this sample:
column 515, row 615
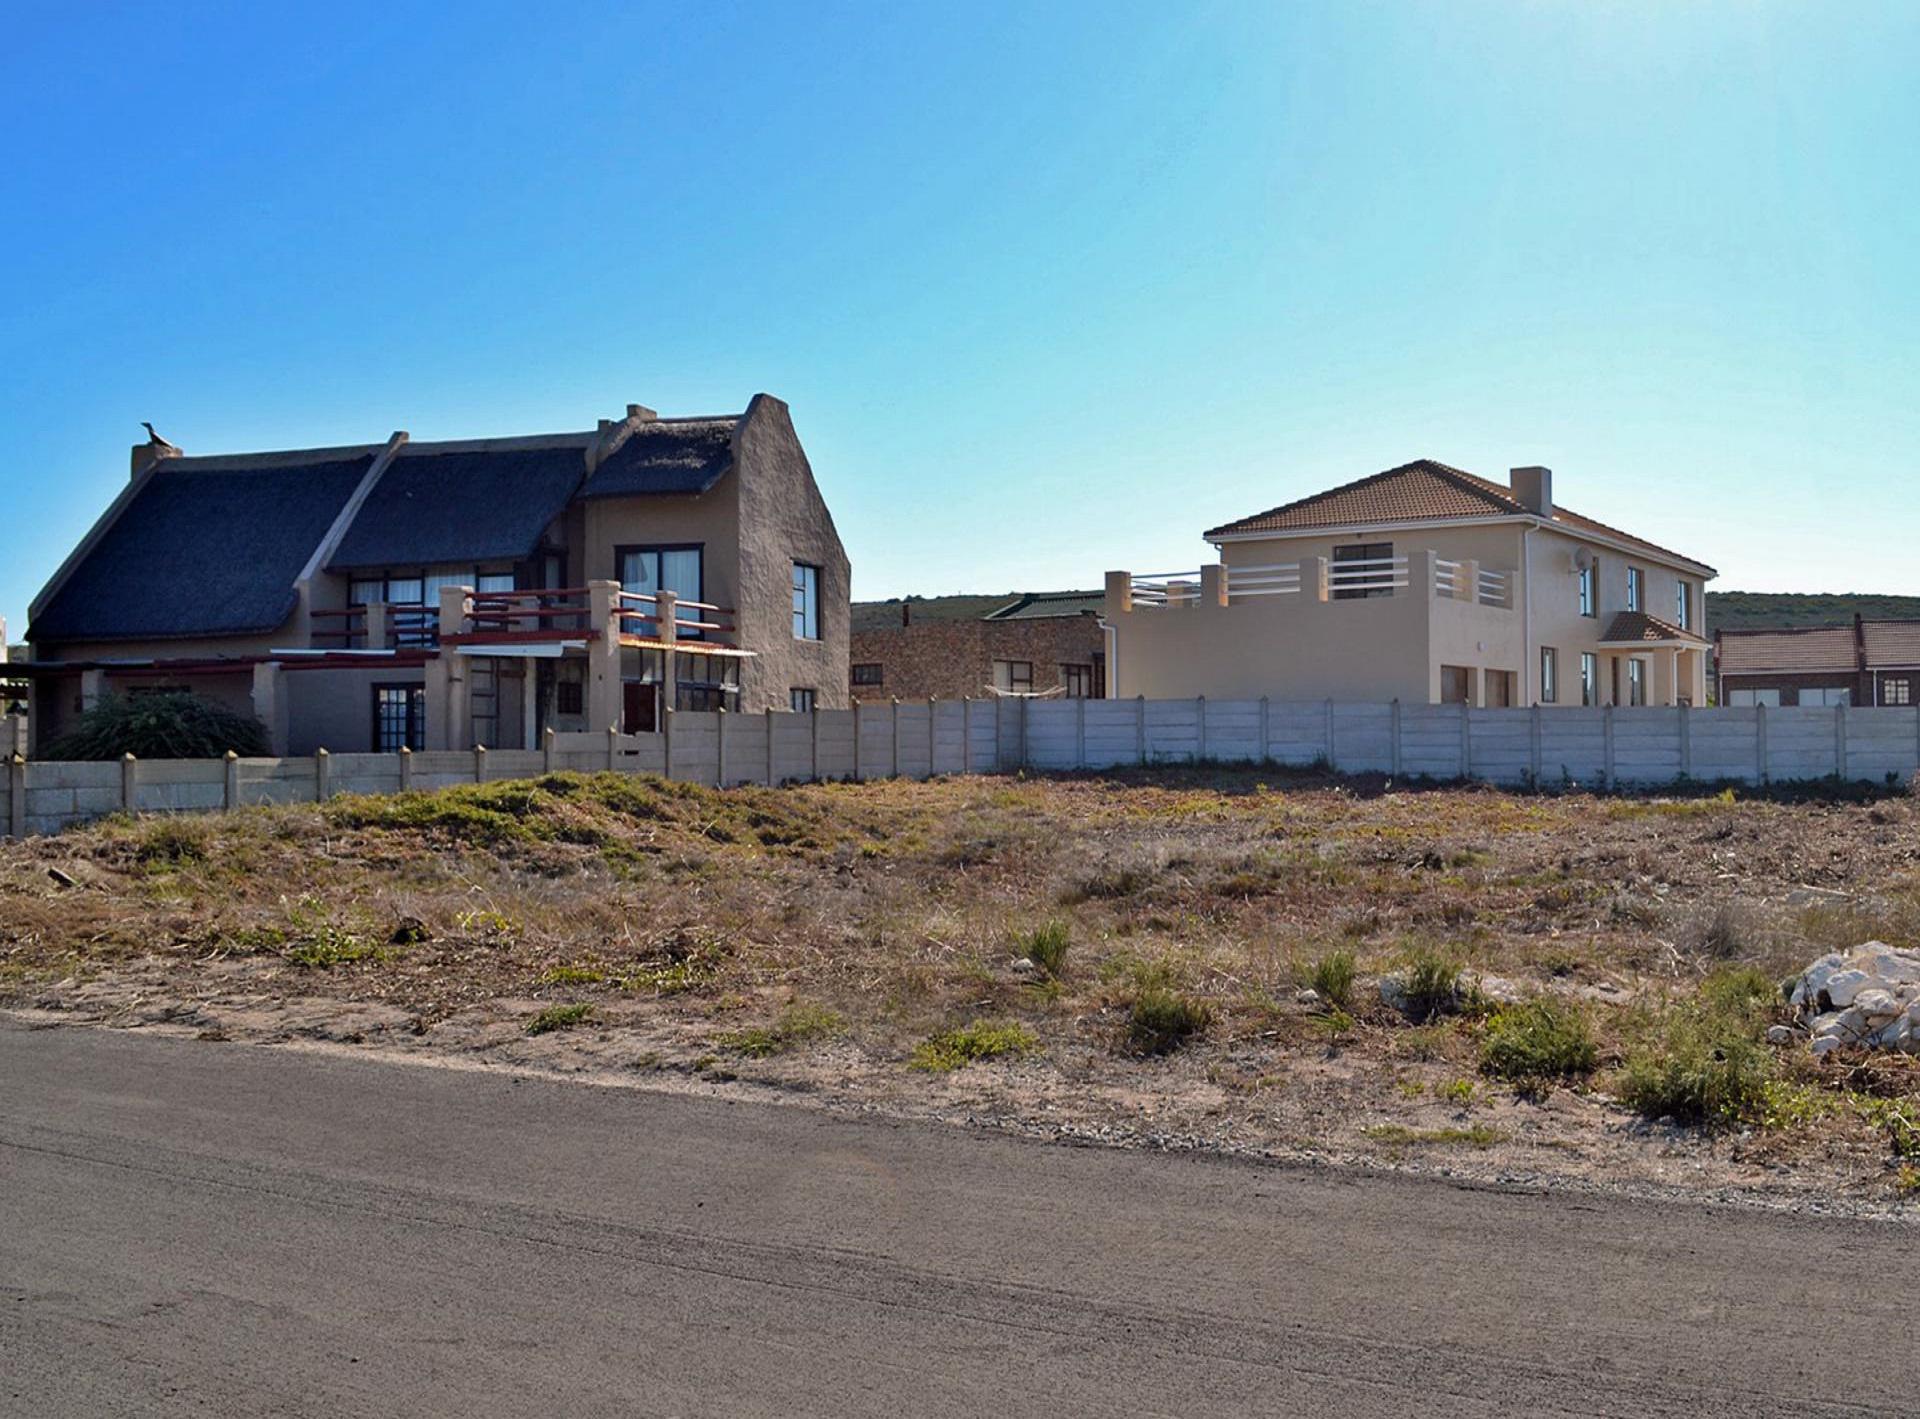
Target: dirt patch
column 1155, row 936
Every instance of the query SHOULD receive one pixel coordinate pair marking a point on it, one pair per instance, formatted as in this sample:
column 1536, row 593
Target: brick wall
column 950, row 660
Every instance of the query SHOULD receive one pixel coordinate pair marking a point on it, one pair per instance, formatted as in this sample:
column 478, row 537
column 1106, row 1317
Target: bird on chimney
column 153, row 437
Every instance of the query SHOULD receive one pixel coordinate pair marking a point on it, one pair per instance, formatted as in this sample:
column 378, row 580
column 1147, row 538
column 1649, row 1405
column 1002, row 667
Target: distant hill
column 1772, row 610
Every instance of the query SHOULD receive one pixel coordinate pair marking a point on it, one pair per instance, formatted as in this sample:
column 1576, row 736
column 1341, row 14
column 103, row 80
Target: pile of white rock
column 1867, row 996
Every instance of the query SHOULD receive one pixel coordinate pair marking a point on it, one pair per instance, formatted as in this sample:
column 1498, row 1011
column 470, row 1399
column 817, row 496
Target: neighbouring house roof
column 667, row 456
column 205, row 547
column 1637, row 627
column 1801, row 650
column 1039, row 605
column 435, row 505
column 1421, row 491
column 1891, row 643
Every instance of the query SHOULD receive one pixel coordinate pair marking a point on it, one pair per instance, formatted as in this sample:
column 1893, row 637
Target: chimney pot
column 1533, row 489
column 641, row 413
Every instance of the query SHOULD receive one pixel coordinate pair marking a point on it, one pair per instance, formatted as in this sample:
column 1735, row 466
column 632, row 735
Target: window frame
column 1360, row 552
column 802, row 699
column 1636, row 682
column 1905, row 687
column 879, row 676
column 413, row 732
column 1589, row 679
column 1078, row 673
column 1636, row 589
column 1683, row 603
column 1589, row 589
column 1014, row 684
column 806, row 598
column 1549, row 675
column 623, row 550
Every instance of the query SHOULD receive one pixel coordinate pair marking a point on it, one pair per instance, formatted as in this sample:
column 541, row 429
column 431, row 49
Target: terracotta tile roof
column 1633, row 627
column 1801, row 649
column 1891, row 643
column 1421, row 491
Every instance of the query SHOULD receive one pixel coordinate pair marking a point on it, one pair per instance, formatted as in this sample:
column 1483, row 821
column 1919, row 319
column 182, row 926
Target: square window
column 1078, row 681
column 800, row 700
column 1014, row 677
column 569, row 697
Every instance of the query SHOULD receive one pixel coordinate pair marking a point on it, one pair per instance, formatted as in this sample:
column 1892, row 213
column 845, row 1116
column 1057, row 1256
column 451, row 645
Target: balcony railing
column 639, row 614
column 1325, row 579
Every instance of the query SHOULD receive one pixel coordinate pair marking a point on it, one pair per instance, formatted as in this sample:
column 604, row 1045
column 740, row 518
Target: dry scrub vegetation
column 1126, row 957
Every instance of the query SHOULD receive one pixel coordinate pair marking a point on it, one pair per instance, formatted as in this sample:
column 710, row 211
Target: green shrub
column 1161, row 1019
column 798, row 1024
column 966, row 1044
column 175, row 725
column 1432, row 984
column 1046, row 946
column 1332, row 978
column 558, row 1017
column 1536, row 1043
column 1698, row 1064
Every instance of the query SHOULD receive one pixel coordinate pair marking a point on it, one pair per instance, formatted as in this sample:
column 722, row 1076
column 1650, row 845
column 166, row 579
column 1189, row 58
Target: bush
column 1432, row 985
column 798, row 1024
column 1160, row 1019
column 161, row 726
column 1700, row 1063
column 1536, row 1043
column 558, row 1017
column 1332, row 978
column 981, row 1039
column 1046, row 946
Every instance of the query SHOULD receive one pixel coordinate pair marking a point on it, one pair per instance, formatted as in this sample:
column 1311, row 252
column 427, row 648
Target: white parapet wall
column 1550, row 748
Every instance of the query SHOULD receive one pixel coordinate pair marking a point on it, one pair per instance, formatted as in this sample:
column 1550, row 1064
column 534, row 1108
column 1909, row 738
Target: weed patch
column 1536, row 1044
column 558, row 1017
column 969, row 1044
column 1046, row 946
column 1161, row 1020
column 798, row 1024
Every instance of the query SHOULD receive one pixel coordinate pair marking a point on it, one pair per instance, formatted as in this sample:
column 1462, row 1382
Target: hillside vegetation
column 1770, row 610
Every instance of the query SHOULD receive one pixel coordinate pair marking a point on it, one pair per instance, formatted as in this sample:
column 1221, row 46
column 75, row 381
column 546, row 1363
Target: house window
column 706, row 682
column 1635, row 584
column 806, row 602
column 1896, row 690
column 1456, row 685
column 399, row 718
column 1827, row 695
column 1589, row 678
column 1587, row 575
column 1636, row 682
column 1683, row 606
column 1013, row 676
column 1740, row 699
column 1549, row 675
column 681, row 569
column 1362, row 569
column 869, row 673
column 1078, row 681
column 800, row 701
column 569, row 697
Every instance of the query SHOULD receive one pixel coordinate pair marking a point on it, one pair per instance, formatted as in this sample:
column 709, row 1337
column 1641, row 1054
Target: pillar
column 1119, row 593
column 1213, row 586
column 668, row 611
column 603, row 694
column 270, row 704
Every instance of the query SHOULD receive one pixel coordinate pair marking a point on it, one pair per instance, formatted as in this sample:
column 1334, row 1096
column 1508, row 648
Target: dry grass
column 775, row 923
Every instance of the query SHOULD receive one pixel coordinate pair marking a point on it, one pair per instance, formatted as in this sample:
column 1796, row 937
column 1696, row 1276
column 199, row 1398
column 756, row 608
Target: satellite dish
column 1582, row 559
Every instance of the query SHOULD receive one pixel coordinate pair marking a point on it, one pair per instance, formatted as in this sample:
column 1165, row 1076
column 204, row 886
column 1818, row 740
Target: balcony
column 1327, row 580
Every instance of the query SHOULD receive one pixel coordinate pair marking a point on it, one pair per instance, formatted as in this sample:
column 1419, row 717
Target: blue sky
column 1050, row 288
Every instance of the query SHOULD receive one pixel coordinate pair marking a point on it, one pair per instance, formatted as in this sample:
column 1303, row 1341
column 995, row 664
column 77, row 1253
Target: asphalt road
column 205, row 1229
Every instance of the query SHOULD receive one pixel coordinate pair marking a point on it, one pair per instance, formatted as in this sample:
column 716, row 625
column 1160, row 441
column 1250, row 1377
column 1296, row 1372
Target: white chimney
column 1533, row 490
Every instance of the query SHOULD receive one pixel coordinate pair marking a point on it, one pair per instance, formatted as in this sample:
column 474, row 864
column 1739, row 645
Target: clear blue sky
column 1050, row 288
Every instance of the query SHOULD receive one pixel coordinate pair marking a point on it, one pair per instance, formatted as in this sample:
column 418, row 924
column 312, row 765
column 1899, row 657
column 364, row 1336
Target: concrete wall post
column 230, row 781
column 720, row 747
column 129, row 782
column 479, row 763
column 17, row 796
column 1200, row 717
column 322, row 776
column 1760, row 743
column 547, row 749
column 406, row 769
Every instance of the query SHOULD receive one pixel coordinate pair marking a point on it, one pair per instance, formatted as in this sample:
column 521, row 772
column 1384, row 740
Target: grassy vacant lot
column 1189, row 958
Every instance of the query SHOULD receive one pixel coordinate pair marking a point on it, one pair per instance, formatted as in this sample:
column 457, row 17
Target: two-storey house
column 1423, row 583
column 447, row 595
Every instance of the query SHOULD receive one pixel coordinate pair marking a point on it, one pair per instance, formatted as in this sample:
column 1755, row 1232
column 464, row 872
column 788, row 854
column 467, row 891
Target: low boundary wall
column 1608, row 747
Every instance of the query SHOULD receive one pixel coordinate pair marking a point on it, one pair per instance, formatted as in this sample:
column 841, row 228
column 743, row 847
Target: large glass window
column 1013, row 676
column 806, row 602
column 1079, row 682
column 1636, row 682
column 1683, row 606
column 647, row 571
column 1362, row 569
column 1636, row 580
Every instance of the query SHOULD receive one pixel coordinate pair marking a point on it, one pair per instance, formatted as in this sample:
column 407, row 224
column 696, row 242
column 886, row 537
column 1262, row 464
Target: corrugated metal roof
column 1041, row 605
column 203, row 550
column 1421, row 491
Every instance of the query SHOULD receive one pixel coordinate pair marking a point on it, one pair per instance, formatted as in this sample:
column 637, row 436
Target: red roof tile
column 1421, row 491
column 1632, row 627
column 1799, row 650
